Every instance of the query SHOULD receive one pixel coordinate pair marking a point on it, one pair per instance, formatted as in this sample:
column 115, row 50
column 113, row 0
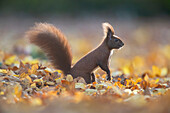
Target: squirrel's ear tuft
column 107, row 29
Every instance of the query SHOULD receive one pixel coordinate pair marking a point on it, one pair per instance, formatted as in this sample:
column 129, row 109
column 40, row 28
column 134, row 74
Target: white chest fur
column 111, row 53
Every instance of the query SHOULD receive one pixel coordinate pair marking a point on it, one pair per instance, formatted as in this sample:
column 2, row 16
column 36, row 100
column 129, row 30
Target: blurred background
column 143, row 25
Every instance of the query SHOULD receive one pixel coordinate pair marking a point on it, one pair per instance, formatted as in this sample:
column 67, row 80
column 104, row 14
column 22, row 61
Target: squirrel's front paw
column 108, row 78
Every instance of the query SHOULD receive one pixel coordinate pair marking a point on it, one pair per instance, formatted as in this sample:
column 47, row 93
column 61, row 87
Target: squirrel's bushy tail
column 53, row 43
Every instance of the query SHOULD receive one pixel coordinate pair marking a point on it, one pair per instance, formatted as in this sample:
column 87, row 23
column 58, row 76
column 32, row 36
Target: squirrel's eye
column 116, row 40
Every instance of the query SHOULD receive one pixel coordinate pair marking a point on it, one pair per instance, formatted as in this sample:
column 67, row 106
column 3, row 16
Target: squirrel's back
column 53, row 43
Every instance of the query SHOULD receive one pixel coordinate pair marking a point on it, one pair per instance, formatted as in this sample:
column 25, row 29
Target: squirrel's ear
column 108, row 29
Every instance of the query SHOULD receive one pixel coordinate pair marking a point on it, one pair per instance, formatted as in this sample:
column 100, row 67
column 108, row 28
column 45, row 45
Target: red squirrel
column 52, row 41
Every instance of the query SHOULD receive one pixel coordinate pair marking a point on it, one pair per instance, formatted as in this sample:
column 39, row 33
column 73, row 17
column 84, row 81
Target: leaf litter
column 29, row 82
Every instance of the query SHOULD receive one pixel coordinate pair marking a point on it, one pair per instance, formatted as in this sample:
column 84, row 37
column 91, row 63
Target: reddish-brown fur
column 85, row 66
column 55, row 45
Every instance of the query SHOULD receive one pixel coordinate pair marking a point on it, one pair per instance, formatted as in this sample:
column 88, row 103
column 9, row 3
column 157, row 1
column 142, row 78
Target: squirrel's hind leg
column 92, row 77
column 87, row 78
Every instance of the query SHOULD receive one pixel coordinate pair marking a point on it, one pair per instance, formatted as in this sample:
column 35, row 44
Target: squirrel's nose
column 122, row 44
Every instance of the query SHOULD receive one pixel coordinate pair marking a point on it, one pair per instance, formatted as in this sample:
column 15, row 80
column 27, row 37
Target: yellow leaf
column 23, row 75
column 81, row 80
column 164, row 71
column 16, row 75
column 30, row 80
column 59, row 71
column 100, row 86
column 97, row 76
column 50, row 83
column 104, row 76
column 146, row 78
column 138, row 81
column 34, row 68
column 33, row 85
column 80, row 85
column 58, row 80
column 156, row 71
column 109, row 87
column 38, row 80
column 69, row 78
column 3, row 71
column 157, row 80
column 48, row 70
column 90, row 91
column 1, row 93
column 153, row 83
column 127, row 82
column 18, row 90
column 10, row 60
column 128, row 69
